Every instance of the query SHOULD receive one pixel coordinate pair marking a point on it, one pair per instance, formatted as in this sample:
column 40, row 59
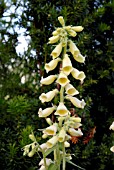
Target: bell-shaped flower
column 61, row 110
column 76, row 119
column 66, row 65
column 62, row 79
column 53, row 39
column 48, row 162
column 61, row 20
column 76, row 102
column 79, row 58
column 112, row 126
column 112, row 148
column 51, row 130
column 46, row 112
column 48, row 80
column 51, row 142
column 46, row 97
column 52, row 64
column 62, row 134
column 73, row 49
column 74, row 132
column 78, row 75
column 77, row 28
column 57, row 51
column 70, row 90
column 43, row 147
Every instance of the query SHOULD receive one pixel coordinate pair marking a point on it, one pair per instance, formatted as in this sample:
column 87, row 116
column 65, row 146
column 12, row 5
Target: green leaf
column 52, row 167
column 49, row 151
column 74, row 164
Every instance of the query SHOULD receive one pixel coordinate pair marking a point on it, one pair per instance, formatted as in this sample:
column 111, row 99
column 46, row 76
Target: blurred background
column 25, row 27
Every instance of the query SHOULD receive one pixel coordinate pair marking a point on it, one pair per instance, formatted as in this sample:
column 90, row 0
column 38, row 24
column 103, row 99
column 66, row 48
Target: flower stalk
column 64, row 126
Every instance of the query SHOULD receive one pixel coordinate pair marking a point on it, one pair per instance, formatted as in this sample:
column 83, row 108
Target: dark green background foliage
column 18, row 113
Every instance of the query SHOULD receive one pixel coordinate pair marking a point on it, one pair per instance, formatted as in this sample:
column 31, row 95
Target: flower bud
column 62, row 79
column 44, row 136
column 31, row 153
column 72, row 33
column 62, row 135
column 32, row 137
column 79, row 58
column 53, row 39
column 66, row 144
column 77, row 28
column 61, row 20
column 48, row 120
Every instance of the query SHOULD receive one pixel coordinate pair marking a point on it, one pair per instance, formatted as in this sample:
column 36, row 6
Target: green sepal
column 52, row 167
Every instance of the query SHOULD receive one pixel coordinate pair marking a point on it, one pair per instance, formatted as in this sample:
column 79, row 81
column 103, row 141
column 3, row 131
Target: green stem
column 45, row 163
column 62, row 94
column 64, row 161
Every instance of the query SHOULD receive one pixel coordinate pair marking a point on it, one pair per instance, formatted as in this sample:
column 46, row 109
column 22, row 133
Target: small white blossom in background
column 112, row 128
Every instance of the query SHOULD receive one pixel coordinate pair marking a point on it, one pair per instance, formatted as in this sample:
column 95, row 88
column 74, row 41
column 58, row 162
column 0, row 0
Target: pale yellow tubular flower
column 53, row 39
column 52, row 64
column 57, row 51
column 43, row 147
column 66, row 65
column 74, row 132
column 112, row 126
column 78, row 75
column 46, row 112
column 46, row 97
column 112, row 148
column 62, row 79
column 76, row 119
column 79, row 58
column 76, row 102
column 51, row 142
column 77, row 28
column 51, row 130
column 62, row 134
column 61, row 20
column 72, row 33
column 73, row 49
column 61, row 110
column 48, row 80
column 75, row 125
column 48, row 162
column 66, row 144
column 70, row 90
